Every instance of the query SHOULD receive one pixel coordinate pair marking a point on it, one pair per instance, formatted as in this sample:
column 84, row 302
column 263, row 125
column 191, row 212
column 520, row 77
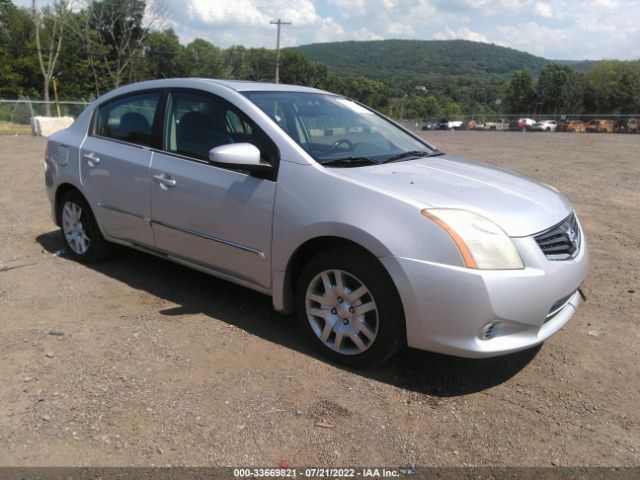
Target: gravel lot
column 138, row 361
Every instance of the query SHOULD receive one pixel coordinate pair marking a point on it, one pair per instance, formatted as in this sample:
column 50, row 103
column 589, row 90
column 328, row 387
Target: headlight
column 482, row 243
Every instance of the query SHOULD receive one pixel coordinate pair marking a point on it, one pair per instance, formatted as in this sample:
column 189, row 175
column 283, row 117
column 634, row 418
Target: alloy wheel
column 74, row 228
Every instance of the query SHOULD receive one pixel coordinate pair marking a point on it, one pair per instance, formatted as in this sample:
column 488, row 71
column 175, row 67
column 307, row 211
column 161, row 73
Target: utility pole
column 278, row 23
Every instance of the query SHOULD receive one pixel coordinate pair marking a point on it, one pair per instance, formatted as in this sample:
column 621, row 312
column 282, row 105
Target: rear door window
column 129, row 119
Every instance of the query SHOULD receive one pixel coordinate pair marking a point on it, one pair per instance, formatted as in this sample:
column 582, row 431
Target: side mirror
column 241, row 156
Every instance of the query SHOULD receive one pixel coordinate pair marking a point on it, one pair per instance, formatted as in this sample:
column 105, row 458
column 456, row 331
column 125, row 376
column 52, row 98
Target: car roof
column 249, row 86
column 204, row 84
column 237, row 85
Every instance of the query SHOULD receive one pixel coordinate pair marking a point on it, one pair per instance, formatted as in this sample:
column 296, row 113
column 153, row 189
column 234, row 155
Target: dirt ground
column 138, row 361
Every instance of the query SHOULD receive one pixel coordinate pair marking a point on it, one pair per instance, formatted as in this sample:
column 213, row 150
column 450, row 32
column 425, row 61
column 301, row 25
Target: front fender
column 313, row 201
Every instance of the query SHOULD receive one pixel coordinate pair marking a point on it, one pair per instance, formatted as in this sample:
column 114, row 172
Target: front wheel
column 349, row 308
column 80, row 230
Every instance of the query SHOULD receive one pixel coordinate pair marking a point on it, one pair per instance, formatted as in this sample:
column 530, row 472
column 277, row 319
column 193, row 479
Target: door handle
column 165, row 180
column 92, row 159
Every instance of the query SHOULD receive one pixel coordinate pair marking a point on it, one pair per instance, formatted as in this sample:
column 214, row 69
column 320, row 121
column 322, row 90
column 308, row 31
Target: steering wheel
column 340, row 142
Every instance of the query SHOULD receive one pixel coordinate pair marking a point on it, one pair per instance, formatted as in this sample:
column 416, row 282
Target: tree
column 370, row 92
column 164, row 56
column 572, row 93
column 78, row 75
column 298, row 70
column 236, row 62
column 203, row 59
column 520, row 92
column 612, row 86
column 557, row 89
column 49, row 30
column 454, row 110
column 114, row 33
column 19, row 70
column 635, row 85
column 260, row 62
column 432, row 107
column 111, row 42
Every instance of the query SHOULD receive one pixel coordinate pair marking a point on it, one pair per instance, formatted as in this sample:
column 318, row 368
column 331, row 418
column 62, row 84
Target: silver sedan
column 373, row 237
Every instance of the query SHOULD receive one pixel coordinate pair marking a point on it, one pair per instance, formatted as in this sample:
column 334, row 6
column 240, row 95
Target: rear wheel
column 80, row 230
column 349, row 308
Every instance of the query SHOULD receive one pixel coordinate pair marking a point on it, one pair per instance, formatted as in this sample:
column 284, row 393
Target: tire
column 80, row 231
column 354, row 329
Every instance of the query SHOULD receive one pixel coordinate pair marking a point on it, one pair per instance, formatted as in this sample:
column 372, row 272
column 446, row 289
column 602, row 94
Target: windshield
column 336, row 130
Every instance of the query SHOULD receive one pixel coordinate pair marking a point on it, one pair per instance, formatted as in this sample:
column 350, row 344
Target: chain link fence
column 16, row 114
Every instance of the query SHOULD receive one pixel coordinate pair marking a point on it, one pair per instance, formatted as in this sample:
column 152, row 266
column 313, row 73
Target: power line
column 279, row 23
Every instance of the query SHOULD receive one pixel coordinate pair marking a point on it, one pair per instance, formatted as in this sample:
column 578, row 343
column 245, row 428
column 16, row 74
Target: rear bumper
column 448, row 309
column 49, row 183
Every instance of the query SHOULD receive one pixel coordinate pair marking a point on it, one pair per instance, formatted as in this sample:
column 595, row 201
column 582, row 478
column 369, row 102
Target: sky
column 554, row 29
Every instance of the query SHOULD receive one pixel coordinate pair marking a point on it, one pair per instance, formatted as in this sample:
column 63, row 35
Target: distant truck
column 628, row 125
column 450, row 124
column 499, row 125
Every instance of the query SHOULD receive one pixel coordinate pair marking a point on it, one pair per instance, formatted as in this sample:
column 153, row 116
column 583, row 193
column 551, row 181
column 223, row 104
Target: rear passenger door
column 203, row 213
column 114, row 165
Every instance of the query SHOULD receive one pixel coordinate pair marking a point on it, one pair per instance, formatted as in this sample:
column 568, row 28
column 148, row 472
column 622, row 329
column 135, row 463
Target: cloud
column 561, row 29
column 577, row 33
column 247, row 22
column 543, row 9
column 248, row 12
column 462, row 33
column 532, row 37
column 491, row 7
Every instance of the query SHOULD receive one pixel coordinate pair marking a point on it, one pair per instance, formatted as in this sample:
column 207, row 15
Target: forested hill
column 399, row 59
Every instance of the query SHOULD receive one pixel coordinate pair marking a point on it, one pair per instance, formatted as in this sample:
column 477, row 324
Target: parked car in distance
column 521, row 124
column 628, row 125
column 571, row 126
column 372, row 236
column 499, row 125
column 600, row 126
column 472, row 125
column 431, row 126
column 545, row 126
column 450, row 124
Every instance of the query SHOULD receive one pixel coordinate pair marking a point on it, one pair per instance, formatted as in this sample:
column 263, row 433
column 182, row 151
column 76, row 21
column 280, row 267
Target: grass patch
column 8, row 128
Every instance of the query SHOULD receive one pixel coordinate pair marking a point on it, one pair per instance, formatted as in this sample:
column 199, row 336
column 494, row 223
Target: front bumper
column 448, row 308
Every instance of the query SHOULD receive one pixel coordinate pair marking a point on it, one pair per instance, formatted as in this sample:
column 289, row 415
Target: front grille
column 562, row 241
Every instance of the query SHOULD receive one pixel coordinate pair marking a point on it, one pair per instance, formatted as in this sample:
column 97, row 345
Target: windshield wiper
column 349, row 161
column 413, row 154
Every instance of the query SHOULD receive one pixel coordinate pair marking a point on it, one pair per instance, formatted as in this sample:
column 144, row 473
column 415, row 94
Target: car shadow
column 197, row 293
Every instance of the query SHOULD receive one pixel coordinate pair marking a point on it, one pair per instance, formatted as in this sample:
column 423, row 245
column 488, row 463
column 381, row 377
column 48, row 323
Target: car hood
column 520, row 206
